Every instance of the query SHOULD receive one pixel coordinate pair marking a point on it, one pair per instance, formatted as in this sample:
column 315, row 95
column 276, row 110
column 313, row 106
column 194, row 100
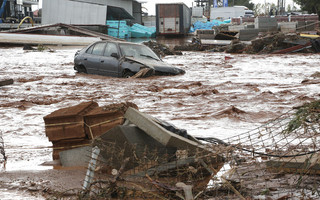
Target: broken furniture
column 76, row 126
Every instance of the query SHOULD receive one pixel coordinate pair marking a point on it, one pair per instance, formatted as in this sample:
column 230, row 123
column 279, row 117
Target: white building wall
column 80, row 11
column 72, row 12
column 226, row 12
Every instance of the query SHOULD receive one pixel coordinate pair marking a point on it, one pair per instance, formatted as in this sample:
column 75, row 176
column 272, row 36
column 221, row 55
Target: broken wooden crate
column 101, row 119
column 68, row 123
column 76, row 126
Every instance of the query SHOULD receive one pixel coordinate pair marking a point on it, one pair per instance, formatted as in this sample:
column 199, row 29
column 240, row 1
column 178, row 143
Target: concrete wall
column 80, row 11
column 136, row 12
column 149, row 21
column 266, row 24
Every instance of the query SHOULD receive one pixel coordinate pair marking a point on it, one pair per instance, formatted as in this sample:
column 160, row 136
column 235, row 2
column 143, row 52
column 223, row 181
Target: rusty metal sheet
column 168, row 10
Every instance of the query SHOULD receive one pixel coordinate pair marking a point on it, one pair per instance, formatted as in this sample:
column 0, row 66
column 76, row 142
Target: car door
column 110, row 60
column 92, row 58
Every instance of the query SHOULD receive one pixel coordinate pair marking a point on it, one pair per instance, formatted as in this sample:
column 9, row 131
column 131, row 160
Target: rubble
column 161, row 49
column 278, row 43
column 149, row 146
column 235, row 47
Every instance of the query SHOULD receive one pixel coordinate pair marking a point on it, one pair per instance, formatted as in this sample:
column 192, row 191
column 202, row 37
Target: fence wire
column 3, row 157
column 279, row 160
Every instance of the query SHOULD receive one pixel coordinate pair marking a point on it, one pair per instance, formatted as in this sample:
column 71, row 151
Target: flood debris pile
column 194, row 46
column 147, row 158
column 279, row 160
column 144, row 157
column 314, row 79
column 278, row 43
column 161, row 49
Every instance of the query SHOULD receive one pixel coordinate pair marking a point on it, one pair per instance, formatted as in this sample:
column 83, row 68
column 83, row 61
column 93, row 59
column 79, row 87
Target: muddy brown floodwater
column 219, row 97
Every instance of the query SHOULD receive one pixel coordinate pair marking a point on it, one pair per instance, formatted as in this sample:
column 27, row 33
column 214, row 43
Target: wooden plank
column 68, row 123
column 6, row 82
column 18, row 38
column 307, row 164
column 292, row 49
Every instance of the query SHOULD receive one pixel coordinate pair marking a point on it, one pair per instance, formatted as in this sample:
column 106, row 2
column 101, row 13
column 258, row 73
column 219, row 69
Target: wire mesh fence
column 3, row 157
column 279, row 160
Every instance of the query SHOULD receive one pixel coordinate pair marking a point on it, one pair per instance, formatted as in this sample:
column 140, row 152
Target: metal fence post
column 91, row 168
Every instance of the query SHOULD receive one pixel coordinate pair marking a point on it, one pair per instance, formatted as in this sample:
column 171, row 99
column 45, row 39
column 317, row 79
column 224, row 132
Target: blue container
column 139, row 31
column 116, row 23
column 119, row 33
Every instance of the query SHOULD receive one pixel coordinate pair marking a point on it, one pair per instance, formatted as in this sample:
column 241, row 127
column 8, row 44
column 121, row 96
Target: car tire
column 81, row 69
column 128, row 74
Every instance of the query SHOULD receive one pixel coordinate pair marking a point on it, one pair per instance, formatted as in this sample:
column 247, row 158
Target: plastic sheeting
column 207, row 25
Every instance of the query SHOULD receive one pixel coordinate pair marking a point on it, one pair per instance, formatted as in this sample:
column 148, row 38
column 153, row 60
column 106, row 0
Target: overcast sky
column 150, row 5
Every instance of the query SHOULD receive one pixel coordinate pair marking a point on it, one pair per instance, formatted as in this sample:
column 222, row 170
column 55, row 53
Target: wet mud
column 217, row 97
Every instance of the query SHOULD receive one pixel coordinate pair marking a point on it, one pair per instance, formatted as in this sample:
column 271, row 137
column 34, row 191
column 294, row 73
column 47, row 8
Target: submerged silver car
column 121, row 59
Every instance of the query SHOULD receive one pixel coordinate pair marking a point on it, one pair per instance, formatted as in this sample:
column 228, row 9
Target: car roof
column 120, row 42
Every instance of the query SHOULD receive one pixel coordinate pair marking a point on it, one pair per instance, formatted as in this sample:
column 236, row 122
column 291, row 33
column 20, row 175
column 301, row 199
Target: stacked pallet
column 76, row 126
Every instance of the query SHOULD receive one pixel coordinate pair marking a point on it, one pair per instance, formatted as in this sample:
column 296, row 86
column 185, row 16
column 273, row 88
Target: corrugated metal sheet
column 73, row 12
column 173, row 18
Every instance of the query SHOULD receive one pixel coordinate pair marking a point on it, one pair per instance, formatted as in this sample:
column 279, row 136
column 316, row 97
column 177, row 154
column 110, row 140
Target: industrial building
column 90, row 11
column 13, row 11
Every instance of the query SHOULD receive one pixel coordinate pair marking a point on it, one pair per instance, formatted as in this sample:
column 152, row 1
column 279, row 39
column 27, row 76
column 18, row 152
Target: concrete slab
column 78, row 157
column 249, row 34
column 160, row 134
column 130, row 141
column 236, row 27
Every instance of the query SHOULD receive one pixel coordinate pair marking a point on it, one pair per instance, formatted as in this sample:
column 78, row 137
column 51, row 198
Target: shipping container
column 173, row 19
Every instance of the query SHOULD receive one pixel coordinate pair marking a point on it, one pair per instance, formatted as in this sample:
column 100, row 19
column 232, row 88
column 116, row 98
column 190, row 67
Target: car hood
column 158, row 66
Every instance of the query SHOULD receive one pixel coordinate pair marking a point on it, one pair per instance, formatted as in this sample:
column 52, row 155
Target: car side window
column 110, row 49
column 90, row 49
column 98, row 49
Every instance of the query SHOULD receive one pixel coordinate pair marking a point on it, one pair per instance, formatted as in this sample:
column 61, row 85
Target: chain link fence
column 3, row 157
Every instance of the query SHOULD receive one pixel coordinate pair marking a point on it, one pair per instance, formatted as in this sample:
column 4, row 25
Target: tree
column 312, row 6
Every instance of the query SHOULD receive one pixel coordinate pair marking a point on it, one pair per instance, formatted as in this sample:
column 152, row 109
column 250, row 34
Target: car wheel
column 128, row 74
column 81, row 69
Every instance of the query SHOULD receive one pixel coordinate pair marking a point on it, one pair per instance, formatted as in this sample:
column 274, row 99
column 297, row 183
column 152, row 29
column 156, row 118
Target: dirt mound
column 120, row 107
column 316, row 75
column 160, row 49
column 204, row 93
column 231, row 111
column 269, row 43
column 190, row 47
column 235, row 47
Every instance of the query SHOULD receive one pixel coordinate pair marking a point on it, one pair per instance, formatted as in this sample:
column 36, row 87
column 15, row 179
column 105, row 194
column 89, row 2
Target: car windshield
column 138, row 51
